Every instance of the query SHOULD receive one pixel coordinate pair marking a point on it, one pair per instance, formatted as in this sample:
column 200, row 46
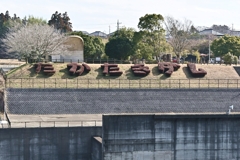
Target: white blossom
column 35, row 41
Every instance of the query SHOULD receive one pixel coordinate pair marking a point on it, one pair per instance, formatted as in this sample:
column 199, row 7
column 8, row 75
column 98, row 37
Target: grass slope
column 214, row 71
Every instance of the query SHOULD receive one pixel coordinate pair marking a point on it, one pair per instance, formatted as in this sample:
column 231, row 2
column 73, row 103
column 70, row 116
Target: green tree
column 6, row 21
column 197, row 54
column 119, row 48
column 153, row 33
column 99, row 47
column 35, row 20
column 93, row 46
column 226, row 44
column 203, row 47
column 125, row 36
column 230, row 58
column 61, row 22
column 124, row 33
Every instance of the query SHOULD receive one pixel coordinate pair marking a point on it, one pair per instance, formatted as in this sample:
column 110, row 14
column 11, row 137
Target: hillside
column 214, row 71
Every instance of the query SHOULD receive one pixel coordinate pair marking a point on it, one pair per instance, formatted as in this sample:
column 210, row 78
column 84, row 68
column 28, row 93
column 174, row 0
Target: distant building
column 210, row 32
column 99, row 34
column 234, row 33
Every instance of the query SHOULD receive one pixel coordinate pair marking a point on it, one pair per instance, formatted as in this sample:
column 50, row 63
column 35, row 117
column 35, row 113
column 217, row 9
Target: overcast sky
column 102, row 15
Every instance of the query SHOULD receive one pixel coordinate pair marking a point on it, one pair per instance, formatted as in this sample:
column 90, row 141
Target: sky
column 103, row 15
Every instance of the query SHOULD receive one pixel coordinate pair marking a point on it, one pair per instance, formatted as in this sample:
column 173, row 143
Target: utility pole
column 118, row 23
column 109, row 30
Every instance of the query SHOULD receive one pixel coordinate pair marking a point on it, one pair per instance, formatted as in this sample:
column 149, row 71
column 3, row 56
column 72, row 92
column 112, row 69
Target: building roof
column 210, row 32
column 111, row 101
column 98, row 34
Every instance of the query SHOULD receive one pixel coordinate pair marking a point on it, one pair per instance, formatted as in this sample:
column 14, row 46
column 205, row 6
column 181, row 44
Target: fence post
column 55, row 82
column 227, row 83
column 179, row 83
column 66, row 82
column 21, row 82
column 208, row 83
column 129, row 83
column 237, row 84
column 188, row 83
column 44, row 82
column 77, row 82
column 150, row 86
column 199, row 83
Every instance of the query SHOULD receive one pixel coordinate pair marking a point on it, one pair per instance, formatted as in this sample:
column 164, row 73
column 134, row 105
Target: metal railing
column 44, row 124
column 86, row 60
column 121, row 83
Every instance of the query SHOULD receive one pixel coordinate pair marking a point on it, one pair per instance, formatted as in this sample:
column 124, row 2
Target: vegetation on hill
column 157, row 37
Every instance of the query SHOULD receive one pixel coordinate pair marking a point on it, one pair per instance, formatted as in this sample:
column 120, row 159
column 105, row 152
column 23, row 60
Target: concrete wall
column 96, row 148
column 75, row 50
column 47, row 143
column 171, row 137
column 1, row 100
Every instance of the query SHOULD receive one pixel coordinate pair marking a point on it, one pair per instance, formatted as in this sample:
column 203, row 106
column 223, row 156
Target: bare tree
column 178, row 33
column 34, row 41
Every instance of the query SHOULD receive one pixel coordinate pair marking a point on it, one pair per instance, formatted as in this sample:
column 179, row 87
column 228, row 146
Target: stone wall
column 107, row 101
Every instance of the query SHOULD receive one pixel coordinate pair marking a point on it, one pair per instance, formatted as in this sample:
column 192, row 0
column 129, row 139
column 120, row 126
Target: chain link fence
column 122, row 83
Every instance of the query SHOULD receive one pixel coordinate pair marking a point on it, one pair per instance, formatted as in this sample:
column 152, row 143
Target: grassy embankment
column 94, row 79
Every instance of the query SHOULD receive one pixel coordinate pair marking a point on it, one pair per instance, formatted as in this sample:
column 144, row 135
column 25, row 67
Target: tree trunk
column 178, row 58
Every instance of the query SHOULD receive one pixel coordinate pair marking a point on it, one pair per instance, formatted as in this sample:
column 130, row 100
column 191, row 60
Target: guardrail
column 121, row 83
column 44, row 124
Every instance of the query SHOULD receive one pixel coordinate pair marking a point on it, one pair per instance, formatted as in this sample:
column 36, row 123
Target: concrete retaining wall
column 1, row 100
column 47, row 143
column 171, row 137
column 97, row 148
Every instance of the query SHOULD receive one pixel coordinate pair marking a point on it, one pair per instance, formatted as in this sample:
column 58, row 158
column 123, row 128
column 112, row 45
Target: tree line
column 33, row 37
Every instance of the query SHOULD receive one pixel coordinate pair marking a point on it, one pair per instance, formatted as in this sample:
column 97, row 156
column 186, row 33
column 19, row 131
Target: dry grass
column 214, row 71
column 216, row 74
